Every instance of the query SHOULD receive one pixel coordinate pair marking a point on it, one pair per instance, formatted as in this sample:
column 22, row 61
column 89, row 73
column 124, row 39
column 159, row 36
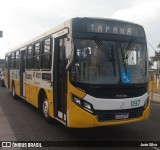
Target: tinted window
column 46, row 54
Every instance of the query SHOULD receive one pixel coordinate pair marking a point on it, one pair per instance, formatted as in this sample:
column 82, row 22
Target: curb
column 154, row 101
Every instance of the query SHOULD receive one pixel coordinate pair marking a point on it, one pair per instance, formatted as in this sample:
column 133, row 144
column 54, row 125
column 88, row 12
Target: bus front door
column 59, row 79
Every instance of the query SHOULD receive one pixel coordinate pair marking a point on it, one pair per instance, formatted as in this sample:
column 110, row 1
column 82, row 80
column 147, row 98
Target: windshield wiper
column 128, row 49
column 123, row 58
column 104, row 50
column 109, row 55
column 127, row 52
column 113, row 62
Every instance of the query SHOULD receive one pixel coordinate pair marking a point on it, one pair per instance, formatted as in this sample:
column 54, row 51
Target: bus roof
column 67, row 24
column 108, row 19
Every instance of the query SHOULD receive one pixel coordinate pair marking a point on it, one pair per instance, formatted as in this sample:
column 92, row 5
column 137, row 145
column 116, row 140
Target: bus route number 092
column 135, row 103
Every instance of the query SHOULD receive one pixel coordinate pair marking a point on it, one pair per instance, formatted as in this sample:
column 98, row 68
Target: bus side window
column 17, row 60
column 6, row 62
column 46, row 58
column 13, row 60
column 29, row 58
column 36, row 56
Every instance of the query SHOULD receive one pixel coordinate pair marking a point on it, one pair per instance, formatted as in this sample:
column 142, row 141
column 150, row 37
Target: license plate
column 121, row 116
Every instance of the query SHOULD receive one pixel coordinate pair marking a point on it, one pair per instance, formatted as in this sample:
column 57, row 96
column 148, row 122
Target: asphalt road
column 27, row 124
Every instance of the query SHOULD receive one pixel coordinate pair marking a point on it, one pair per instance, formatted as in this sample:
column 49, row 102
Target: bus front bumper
column 79, row 118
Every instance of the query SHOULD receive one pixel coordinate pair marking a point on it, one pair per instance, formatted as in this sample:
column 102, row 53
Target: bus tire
column 14, row 91
column 45, row 109
column 2, row 83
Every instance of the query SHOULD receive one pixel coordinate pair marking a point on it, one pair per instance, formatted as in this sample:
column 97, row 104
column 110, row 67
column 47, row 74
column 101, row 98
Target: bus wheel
column 14, row 92
column 2, row 83
column 45, row 110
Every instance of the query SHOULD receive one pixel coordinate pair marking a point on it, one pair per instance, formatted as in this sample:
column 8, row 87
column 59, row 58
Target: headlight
column 87, row 106
column 83, row 104
column 77, row 100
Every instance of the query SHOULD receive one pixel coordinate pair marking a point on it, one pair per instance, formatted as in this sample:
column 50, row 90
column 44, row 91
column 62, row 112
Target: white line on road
column 156, row 148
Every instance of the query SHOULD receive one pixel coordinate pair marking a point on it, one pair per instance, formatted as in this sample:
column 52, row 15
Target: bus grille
column 117, row 91
column 111, row 115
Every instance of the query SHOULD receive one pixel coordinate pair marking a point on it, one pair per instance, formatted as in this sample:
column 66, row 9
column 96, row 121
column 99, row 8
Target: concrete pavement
column 6, row 132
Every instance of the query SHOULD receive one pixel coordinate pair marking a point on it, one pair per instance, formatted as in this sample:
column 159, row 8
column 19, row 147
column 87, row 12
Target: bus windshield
column 109, row 62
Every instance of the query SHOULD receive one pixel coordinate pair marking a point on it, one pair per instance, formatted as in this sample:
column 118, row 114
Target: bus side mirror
column 68, row 48
column 70, row 61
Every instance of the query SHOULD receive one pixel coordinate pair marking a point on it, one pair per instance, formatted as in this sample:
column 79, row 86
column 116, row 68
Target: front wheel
column 45, row 110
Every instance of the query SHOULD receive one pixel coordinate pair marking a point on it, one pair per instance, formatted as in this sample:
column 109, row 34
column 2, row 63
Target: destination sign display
column 115, row 27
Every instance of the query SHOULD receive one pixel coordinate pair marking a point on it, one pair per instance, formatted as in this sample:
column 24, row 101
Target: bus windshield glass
column 109, row 62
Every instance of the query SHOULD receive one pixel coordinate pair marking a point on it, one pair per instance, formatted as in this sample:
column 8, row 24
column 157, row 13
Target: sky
column 22, row 20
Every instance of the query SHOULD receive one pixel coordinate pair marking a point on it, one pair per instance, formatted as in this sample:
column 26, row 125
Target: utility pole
column 157, row 57
column 1, row 33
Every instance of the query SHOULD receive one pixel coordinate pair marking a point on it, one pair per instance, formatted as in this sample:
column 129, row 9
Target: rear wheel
column 2, row 83
column 14, row 92
column 45, row 109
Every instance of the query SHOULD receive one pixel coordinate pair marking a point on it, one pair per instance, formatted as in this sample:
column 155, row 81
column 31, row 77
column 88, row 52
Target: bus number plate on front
column 135, row 103
column 121, row 116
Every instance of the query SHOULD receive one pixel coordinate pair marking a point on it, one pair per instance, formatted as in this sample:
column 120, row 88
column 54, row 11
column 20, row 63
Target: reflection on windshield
column 107, row 62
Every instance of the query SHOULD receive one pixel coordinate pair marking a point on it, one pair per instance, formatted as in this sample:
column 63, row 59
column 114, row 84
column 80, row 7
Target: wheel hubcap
column 45, row 108
column 13, row 91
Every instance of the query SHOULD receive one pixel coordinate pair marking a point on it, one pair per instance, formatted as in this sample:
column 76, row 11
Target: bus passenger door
column 22, row 73
column 60, row 79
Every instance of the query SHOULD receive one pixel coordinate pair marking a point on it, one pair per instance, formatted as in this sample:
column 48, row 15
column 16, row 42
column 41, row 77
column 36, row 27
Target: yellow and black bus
column 86, row 72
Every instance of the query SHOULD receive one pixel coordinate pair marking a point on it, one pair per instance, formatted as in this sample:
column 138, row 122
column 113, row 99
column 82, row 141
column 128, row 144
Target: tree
column 158, row 62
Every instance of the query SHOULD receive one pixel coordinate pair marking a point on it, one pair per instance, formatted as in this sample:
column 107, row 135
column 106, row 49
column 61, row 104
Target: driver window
column 86, row 65
column 132, row 59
